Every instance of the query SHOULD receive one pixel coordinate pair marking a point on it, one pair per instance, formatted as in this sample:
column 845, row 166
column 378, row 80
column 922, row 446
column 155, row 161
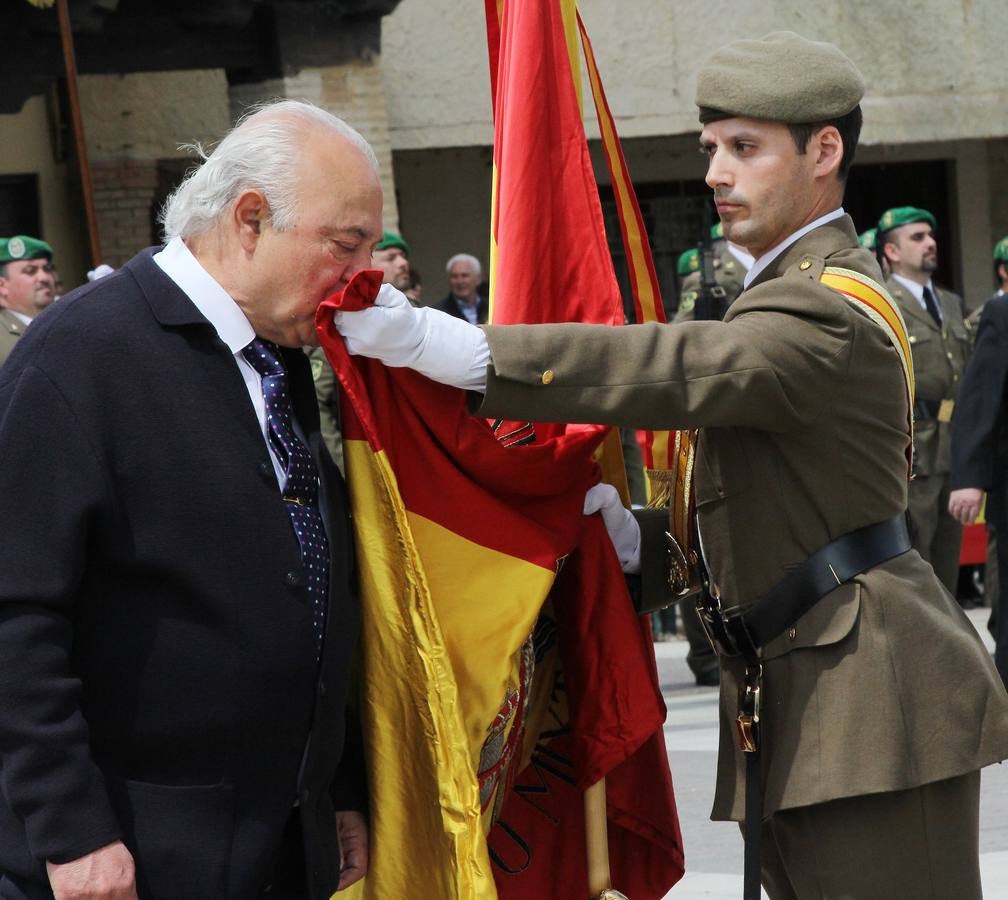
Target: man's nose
column 718, row 174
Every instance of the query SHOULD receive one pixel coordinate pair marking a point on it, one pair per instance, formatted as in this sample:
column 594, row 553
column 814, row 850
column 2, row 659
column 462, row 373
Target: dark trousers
column 921, row 843
column 288, row 879
column 999, row 616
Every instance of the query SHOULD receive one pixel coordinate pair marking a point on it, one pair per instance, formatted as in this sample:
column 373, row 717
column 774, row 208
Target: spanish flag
column 598, row 711
column 458, row 542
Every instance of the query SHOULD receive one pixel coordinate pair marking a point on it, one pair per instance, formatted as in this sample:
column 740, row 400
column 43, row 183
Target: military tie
column 300, row 490
column 932, row 305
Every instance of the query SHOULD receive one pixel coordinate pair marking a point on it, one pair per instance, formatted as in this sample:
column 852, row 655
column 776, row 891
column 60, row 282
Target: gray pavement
column 714, row 849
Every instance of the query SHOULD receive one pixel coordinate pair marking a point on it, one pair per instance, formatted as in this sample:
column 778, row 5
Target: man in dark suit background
column 177, row 611
column 464, row 299
column 980, row 441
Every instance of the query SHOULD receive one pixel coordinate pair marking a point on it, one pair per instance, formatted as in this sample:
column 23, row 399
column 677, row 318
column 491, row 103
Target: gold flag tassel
column 661, row 484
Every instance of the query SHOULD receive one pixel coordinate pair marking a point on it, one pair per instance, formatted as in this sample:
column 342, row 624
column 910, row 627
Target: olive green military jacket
column 729, row 274
column 11, row 329
column 327, row 394
column 802, row 406
column 939, row 358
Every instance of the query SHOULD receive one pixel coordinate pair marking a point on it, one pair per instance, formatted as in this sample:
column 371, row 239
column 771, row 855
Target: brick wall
column 124, row 192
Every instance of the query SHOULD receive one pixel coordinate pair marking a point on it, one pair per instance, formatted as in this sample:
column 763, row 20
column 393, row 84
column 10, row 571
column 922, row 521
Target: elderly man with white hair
column 464, row 300
column 177, row 611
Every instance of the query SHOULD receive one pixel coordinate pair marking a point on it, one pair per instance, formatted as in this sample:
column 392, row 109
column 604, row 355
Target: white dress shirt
column 227, row 319
column 760, row 264
column 21, row 316
column 746, row 259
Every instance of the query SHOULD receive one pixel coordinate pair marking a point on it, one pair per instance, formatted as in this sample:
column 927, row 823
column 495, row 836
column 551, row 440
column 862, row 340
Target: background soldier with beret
column 868, row 760
column 730, row 266
column 940, row 345
column 27, row 286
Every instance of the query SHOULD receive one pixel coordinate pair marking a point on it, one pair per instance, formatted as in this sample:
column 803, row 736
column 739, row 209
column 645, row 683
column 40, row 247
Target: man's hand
column 104, row 874
column 964, row 504
column 624, row 532
column 442, row 347
column 351, row 826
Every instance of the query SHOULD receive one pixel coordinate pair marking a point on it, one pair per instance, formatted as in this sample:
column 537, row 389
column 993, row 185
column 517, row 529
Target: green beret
column 23, row 247
column 868, row 238
column 689, row 261
column 782, row 77
column 1001, row 250
column 904, row 215
column 717, row 231
column 391, row 239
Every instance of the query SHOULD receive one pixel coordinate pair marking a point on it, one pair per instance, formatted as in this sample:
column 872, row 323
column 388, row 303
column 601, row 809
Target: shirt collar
column 746, row 259
column 760, row 264
column 25, row 319
column 206, row 294
column 916, row 289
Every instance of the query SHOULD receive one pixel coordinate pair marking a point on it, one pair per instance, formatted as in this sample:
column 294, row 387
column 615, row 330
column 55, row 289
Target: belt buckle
column 713, row 622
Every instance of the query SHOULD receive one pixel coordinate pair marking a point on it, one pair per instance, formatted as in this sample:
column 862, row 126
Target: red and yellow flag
column 458, row 541
column 597, row 711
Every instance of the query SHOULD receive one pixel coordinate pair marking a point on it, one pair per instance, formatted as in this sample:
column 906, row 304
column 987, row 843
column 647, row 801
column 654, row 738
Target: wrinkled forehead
column 23, row 266
column 915, row 231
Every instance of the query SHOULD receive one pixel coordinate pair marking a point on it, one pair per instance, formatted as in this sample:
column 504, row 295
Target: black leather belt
column 735, row 633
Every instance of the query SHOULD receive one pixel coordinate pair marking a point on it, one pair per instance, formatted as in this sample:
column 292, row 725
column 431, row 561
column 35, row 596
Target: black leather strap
column 925, row 410
column 825, row 570
column 752, row 829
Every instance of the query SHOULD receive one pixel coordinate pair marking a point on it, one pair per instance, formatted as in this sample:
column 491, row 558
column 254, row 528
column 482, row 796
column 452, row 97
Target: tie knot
column 264, row 357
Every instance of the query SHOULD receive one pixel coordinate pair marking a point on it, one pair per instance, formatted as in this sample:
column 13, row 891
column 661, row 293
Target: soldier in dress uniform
column 875, row 702
column 27, row 286
column 730, row 266
column 940, row 345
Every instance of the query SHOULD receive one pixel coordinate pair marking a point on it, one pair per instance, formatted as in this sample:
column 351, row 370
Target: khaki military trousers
column 936, row 535
column 920, row 844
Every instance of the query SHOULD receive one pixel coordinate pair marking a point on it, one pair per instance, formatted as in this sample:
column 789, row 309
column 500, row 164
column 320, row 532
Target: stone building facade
column 412, row 77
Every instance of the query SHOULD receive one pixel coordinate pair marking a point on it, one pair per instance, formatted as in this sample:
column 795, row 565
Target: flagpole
column 596, row 838
column 70, row 63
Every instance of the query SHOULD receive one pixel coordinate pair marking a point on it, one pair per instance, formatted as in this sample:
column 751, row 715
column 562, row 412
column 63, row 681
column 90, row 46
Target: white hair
column 466, row 258
column 262, row 152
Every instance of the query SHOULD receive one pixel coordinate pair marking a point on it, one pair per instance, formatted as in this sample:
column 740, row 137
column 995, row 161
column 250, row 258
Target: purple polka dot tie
column 300, row 491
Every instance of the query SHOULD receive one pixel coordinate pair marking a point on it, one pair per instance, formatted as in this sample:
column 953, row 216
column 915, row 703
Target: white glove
column 624, row 532
column 442, row 347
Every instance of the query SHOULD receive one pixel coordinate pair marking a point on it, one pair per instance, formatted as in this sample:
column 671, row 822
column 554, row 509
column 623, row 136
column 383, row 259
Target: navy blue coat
column 157, row 674
column 980, row 425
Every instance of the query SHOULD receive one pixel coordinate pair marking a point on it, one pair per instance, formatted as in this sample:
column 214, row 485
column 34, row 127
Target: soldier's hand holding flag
column 393, row 331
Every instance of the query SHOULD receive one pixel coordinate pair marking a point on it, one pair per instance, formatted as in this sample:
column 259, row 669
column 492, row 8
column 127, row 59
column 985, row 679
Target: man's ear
column 250, row 215
column 829, row 149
